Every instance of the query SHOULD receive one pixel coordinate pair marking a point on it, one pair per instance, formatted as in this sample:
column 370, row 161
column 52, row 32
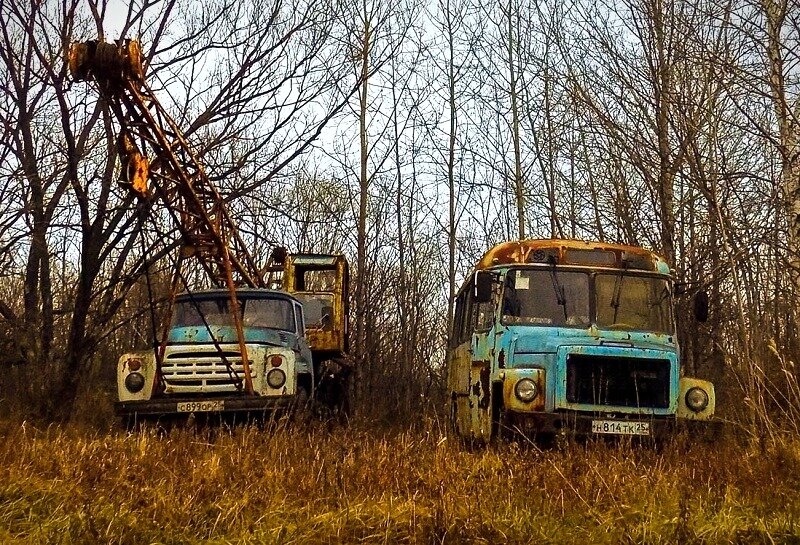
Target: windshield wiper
column 616, row 295
column 561, row 298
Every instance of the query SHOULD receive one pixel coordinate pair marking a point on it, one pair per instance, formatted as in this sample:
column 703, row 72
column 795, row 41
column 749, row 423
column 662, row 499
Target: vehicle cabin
column 320, row 283
column 202, row 369
column 566, row 335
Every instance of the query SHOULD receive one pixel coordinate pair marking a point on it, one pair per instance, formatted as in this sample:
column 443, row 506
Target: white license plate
column 200, row 406
column 620, row 427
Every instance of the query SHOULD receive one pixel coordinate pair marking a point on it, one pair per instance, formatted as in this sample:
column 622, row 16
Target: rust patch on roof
column 570, row 252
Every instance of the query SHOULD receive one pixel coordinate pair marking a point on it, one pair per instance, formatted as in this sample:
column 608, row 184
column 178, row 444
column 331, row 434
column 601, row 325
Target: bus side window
column 468, row 318
column 481, row 315
column 485, row 318
column 458, row 317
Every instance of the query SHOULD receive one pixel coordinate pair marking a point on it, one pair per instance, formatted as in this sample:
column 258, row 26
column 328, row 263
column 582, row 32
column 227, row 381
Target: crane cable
column 143, row 211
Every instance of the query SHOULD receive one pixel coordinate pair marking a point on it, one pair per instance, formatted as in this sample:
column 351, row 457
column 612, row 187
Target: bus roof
column 572, row 252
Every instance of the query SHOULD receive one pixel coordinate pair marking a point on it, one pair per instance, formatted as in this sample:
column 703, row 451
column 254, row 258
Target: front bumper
column 581, row 424
column 231, row 404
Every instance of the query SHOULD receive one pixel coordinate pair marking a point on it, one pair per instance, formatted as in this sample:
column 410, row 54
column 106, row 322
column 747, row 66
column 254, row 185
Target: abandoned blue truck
column 202, row 369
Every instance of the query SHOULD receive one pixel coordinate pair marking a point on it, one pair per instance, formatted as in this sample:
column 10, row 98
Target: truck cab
column 201, row 368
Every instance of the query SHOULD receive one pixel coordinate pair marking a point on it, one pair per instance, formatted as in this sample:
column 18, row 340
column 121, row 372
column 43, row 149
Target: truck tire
column 300, row 410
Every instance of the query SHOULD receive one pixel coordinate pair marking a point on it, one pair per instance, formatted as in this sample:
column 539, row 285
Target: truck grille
column 200, row 369
column 621, row 382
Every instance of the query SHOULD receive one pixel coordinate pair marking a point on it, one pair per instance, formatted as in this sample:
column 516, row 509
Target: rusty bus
column 555, row 336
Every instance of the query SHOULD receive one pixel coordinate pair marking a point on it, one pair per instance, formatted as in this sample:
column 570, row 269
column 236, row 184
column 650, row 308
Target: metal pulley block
column 107, row 62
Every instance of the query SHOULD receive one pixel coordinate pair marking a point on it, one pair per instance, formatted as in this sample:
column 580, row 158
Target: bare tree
column 376, row 32
column 273, row 84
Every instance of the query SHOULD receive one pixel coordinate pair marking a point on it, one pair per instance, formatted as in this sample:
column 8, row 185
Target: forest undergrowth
column 281, row 484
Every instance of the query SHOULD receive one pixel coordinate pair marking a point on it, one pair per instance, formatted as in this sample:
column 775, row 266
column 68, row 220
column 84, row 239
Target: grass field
column 69, row 485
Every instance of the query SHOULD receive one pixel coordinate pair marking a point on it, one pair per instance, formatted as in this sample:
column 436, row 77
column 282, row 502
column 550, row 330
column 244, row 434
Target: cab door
column 459, row 357
column 482, row 341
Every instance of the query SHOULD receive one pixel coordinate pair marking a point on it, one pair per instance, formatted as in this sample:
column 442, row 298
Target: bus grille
column 620, row 382
column 201, row 369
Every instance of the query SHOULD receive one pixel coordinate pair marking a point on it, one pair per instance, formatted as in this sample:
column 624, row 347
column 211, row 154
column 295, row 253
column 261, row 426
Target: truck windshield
column 264, row 313
column 546, row 297
column 633, row 302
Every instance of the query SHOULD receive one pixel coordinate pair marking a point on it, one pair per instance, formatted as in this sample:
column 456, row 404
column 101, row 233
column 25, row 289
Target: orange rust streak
column 518, row 251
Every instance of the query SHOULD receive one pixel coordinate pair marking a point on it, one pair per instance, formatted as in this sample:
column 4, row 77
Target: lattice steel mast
column 174, row 176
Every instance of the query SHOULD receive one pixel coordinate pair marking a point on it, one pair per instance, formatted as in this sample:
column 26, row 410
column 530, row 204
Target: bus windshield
column 560, row 298
column 546, row 297
column 633, row 302
column 268, row 313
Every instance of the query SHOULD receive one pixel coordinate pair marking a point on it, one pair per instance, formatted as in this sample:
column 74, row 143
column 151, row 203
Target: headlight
column 134, row 364
column 276, row 378
column 696, row 399
column 134, row 382
column 526, row 390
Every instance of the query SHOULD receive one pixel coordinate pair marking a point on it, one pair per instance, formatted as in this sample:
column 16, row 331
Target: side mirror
column 484, row 282
column 700, row 306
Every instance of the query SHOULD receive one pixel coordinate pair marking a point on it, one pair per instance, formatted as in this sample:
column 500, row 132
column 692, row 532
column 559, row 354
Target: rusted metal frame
column 192, row 223
column 190, row 197
column 193, row 205
column 242, row 261
column 185, row 190
column 171, row 197
column 144, row 134
column 174, row 205
column 223, row 262
column 184, row 187
column 209, row 266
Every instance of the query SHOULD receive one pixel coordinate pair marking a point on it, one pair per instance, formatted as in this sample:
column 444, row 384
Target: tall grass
column 354, row 486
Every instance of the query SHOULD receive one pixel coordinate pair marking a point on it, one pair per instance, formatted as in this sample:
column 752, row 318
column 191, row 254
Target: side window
column 480, row 315
column 485, row 315
column 298, row 316
column 458, row 316
column 468, row 318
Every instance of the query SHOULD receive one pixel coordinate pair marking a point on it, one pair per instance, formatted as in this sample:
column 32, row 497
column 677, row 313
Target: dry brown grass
column 355, row 486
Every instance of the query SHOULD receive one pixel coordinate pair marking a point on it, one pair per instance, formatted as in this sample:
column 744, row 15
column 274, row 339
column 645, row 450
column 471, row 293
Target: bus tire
column 454, row 418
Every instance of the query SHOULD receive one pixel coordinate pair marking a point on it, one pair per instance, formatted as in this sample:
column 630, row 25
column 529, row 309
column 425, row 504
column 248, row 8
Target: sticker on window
column 522, row 282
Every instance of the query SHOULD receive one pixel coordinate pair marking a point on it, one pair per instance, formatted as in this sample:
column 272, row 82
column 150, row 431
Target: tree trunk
column 363, row 369
column 519, row 191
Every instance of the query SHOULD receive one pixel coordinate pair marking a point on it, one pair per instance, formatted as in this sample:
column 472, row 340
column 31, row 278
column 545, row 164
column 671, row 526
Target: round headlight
column 134, row 364
column 696, row 399
column 526, row 390
column 276, row 378
column 134, row 382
